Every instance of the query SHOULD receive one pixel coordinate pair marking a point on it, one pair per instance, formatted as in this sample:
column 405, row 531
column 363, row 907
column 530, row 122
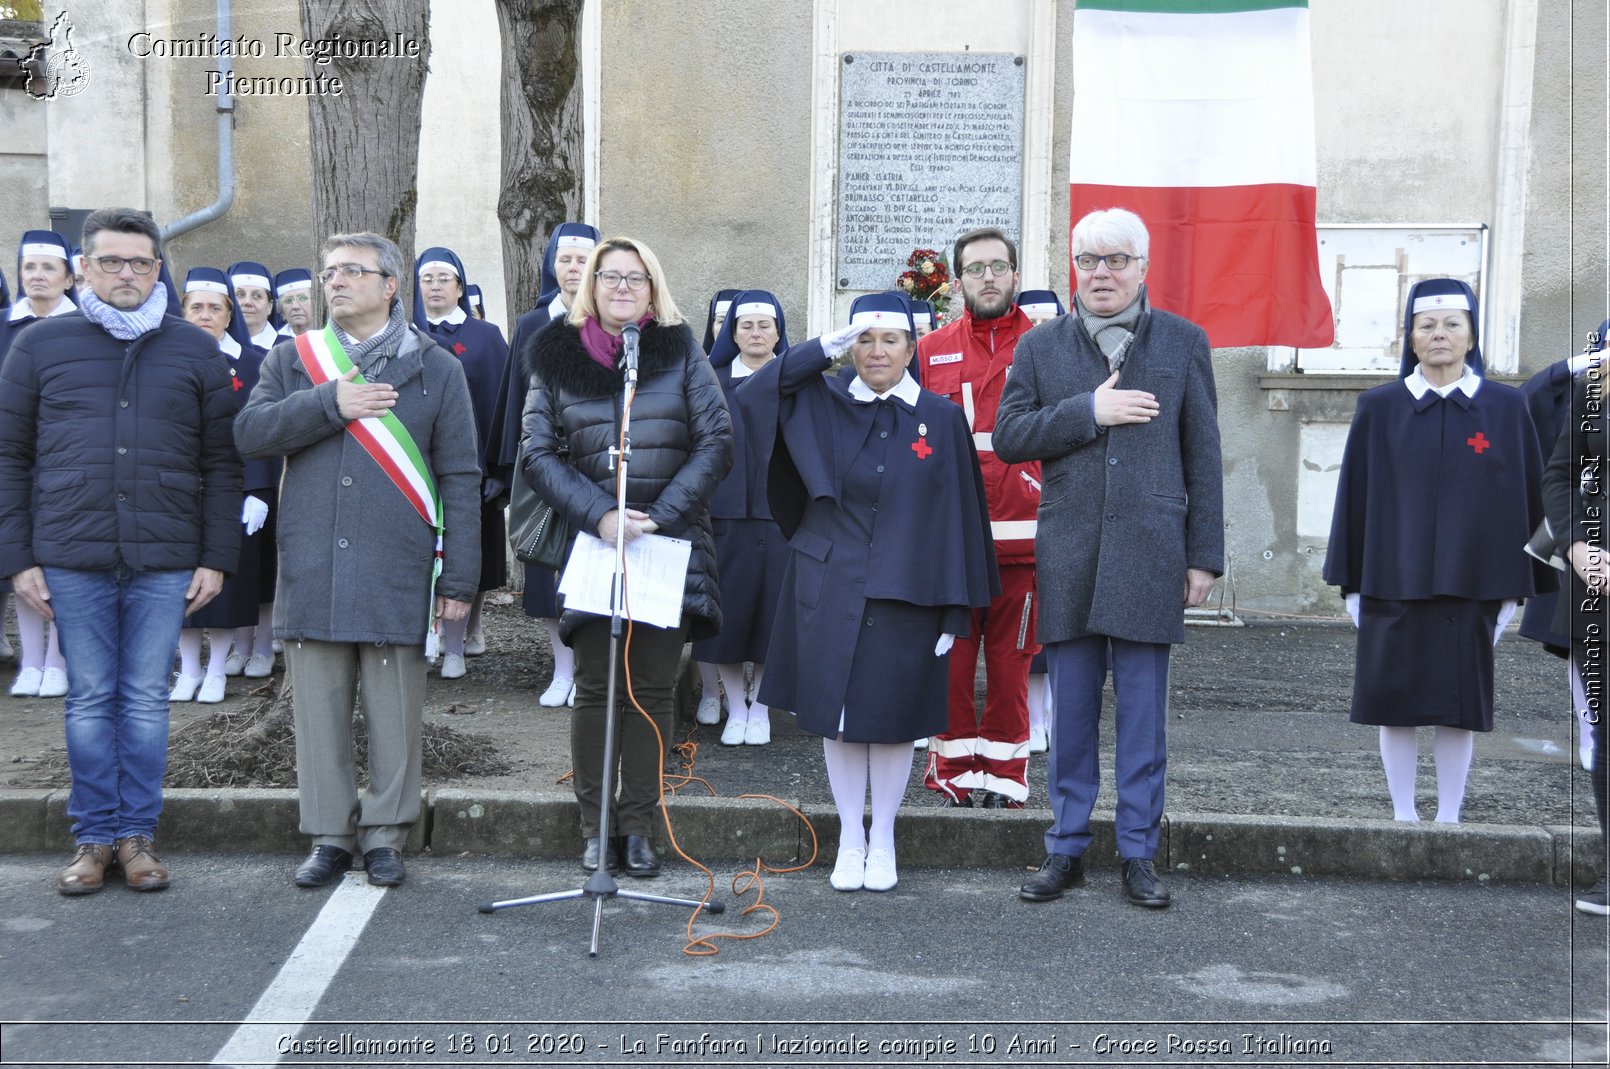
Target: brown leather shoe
column 142, row 869
column 87, row 873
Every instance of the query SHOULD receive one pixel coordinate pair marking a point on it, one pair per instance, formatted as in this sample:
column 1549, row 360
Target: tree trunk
column 542, row 135
column 365, row 142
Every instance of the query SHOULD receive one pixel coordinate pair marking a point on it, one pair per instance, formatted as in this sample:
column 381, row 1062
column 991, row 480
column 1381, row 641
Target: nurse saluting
column 863, row 623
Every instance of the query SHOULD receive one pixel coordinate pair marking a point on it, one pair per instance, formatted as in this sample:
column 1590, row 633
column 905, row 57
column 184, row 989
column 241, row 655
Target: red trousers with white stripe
column 992, row 753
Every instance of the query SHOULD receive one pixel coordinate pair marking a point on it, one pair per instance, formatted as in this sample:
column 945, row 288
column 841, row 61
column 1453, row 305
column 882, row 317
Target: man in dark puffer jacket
column 120, row 493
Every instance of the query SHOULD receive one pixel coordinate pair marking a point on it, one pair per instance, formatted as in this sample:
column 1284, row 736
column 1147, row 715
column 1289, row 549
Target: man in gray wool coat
column 1117, row 401
column 382, row 489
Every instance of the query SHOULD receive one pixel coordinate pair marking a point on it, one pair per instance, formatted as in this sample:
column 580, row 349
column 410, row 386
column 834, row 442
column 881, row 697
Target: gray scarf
column 125, row 326
column 1114, row 333
column 371, row 354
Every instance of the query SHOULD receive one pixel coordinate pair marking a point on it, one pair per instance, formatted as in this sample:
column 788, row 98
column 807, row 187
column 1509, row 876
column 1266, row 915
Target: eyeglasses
column 1116, row 261
column 350, row 272
column 437, row 280
column 111, row 265
column 613, row 280
column 999, row 267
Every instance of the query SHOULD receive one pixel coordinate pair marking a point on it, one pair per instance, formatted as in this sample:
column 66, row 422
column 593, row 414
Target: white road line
column 289, row 1001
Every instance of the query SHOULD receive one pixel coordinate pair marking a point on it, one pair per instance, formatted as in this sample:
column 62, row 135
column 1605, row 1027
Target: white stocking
column 1399, row 756
column 453, row 635
column 1039, row 700
column 263, row 640
column 217, row 653
column 475, row 613
column 1452, row 749
column 30, row 636
column 846, row 776
column 190, row 652
column 53, row 657
column 732, row 681
column 564, row 658
column 891, row 771
column 709, row 680
column 757, row 711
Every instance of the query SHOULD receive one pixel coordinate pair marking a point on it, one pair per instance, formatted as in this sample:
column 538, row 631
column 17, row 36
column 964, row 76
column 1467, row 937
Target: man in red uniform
column 968, row 361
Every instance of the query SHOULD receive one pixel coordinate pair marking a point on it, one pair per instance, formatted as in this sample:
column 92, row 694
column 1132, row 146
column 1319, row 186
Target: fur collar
column 556, row 356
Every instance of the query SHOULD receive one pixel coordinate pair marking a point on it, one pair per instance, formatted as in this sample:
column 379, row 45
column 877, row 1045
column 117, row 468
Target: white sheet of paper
column 656, row 572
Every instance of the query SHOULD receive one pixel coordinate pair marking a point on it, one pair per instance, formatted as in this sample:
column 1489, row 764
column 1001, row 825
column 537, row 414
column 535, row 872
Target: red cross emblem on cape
column 235, row 382
column 1478, row 443
column 921, row 448
column 459, row 348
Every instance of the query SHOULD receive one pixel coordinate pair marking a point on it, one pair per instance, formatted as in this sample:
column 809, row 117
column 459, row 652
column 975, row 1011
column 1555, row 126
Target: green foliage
column 24, row 10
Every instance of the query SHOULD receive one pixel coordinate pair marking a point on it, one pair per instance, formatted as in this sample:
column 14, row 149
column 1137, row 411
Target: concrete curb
column 544, row 825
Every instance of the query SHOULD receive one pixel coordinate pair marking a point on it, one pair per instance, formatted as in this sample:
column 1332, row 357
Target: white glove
column 1505, row 611
column 835, row 342
column 253, row 513
column 944, row 644
column 1352, row 607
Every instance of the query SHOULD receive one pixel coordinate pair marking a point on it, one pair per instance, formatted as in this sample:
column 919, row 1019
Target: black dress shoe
column 324, row 864
column 640, row 857
column 1141, row 885
column 589, row 855
column 997, row 800
column 950, row 802
column 384, row 866
column 1058, row 872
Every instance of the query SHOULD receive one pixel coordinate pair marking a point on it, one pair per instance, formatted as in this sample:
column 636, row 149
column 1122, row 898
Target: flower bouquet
column 926, row 279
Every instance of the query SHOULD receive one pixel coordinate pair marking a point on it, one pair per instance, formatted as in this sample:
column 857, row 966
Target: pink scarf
column 600, row 344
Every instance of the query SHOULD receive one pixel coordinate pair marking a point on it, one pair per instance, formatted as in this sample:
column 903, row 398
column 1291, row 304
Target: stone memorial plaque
column 930, row 145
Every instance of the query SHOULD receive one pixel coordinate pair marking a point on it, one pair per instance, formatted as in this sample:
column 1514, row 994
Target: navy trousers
column 1140, row 684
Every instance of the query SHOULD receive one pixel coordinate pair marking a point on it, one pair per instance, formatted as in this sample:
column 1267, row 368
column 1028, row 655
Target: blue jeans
column 118, row 631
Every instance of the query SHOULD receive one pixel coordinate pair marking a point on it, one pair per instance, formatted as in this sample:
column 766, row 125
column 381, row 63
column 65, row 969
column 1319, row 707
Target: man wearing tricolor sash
column 379, row 538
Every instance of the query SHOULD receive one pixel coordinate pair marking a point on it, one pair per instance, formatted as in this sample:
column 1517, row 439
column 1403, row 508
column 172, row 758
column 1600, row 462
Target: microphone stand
column 601, row 884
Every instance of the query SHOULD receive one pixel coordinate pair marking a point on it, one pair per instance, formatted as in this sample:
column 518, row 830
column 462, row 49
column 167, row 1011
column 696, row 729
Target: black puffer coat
column 681, row 446
column 117, row 452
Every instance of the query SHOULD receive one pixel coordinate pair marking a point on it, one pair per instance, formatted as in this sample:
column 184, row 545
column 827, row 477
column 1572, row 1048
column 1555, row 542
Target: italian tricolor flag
column 1198, row 116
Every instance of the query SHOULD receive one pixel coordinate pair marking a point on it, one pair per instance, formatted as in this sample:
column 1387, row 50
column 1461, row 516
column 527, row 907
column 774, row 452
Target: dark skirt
column 237, row 604
column 1425, row 663
column 541, row 598
column 897, row 690
column 751, row 556
column 494, row 549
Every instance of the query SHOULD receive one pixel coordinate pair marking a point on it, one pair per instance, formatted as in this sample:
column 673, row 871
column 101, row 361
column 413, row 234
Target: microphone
column 629, row 334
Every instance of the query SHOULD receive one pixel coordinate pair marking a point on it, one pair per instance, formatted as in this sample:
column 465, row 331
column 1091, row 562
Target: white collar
column 266, row 338
column 455, row 317
column 741, row 370
column 23, row 310
column 1469, row 382
column 1582, row 361
column 905, row 390
column 286, row 332
column 556, row 307
column 229, row 346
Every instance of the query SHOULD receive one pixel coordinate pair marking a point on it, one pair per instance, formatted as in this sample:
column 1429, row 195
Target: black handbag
column 539, row 534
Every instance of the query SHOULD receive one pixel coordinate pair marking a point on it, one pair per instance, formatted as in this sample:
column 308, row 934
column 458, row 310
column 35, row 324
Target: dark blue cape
column 1437, row 497
column 480, row 348
column 941, row 495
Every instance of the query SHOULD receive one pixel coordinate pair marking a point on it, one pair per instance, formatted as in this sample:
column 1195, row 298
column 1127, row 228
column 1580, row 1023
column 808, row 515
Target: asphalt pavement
column 234, row 966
